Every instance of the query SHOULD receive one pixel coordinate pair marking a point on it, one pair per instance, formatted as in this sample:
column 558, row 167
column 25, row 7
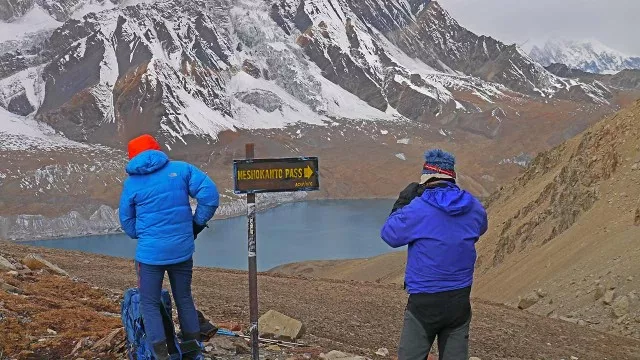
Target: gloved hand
column 405, row 197
column 197, row 229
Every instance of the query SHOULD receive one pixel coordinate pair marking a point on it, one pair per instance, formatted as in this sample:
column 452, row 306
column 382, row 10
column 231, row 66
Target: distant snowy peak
column 590, row 56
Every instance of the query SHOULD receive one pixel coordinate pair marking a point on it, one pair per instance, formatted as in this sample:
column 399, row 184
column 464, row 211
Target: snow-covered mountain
column 196, row 68
column 589, row 56
column 377, row 80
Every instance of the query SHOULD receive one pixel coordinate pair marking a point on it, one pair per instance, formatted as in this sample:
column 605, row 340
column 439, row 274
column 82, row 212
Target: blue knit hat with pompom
column 438, row 164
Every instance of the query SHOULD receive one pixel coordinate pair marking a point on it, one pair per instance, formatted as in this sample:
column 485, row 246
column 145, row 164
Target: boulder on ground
column 35, row 262
column 621, row 306
column 5, row 265
column 528, row 301
column 279, row 326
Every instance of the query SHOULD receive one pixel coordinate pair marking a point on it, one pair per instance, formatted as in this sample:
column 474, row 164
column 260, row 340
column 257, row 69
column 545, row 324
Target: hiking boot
column 191, row 347
column 160, row 351
column 207, row 329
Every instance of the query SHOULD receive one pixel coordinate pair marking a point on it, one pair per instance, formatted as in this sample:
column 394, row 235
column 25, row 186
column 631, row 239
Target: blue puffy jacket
column 155, row 209
column 441, row 228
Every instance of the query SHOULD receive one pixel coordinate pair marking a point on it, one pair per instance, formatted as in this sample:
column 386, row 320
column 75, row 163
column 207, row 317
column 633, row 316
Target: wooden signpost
column 252, row 176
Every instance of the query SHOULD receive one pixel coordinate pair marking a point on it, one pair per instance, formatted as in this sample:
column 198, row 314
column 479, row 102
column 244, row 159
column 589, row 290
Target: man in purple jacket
column 440, row 223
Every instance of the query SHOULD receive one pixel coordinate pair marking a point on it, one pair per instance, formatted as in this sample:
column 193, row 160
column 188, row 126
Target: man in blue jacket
column 155, row 210
column 440, row 223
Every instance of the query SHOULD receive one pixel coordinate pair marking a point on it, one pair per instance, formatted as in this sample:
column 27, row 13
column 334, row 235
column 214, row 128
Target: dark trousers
column 150, row 279
column 445, row 316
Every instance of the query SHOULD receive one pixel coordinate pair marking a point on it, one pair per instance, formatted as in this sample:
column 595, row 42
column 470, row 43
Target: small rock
column 622, row 319
column 635, row 166
column 241, row 348
column 541, row 293
column 52, row 332
column 573, row 314
column 6, row 265
column 621, row 306
column 208, row 349
column 383, row 352
column 630, row 278
column 12, row 273
column 528, row 301
column 582, row 323
column 35, row 262
column 274, row 348
column 334, row 354
column 9, row 288
column 609, row 295
column 279, row 326
column 474, row 358
column 574, row 358
column 567, row 319
column 599, row 293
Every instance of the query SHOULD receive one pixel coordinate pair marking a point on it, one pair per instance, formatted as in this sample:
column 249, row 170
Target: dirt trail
column 354, row 316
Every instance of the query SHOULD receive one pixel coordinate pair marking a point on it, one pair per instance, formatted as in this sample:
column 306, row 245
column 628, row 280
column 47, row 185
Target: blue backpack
column 137, row 346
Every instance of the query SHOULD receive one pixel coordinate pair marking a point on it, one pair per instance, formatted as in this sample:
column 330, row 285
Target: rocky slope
column 573, row 217
column 589, row 56
column 336, row 314
column 379, row 81
column 568, row 226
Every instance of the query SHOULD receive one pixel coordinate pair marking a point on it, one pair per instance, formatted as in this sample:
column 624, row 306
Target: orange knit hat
column 142, row 143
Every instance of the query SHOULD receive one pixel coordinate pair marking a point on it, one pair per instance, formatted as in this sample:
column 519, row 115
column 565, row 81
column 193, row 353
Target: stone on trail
column 382, row 352
column 35, row 262
column 599, row 292
column 528, row 301
column 339, row 355
column 474, row 358
column 609, row 295
column 279, row 326
column 621, row 306
column 6, row 265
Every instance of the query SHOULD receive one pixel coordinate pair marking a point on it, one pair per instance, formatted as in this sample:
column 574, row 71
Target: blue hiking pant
column 150, row 279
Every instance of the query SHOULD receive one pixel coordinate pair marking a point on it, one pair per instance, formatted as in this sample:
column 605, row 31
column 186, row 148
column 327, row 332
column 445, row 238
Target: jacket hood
column 449, row 198
column 147, row 162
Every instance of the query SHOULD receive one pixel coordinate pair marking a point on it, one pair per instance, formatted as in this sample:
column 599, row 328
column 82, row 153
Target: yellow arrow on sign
column 308, row 172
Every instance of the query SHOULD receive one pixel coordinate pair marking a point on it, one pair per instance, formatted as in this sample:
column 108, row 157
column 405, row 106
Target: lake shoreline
column 306, row 230
column 267, row 207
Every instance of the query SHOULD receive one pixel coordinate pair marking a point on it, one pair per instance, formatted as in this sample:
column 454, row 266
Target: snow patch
column 35, row 21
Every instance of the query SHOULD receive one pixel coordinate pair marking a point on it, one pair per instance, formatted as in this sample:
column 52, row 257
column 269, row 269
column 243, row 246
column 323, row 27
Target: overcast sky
column 615, row 23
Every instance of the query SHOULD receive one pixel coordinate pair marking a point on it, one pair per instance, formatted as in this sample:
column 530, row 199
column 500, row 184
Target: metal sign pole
column 253, row 272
